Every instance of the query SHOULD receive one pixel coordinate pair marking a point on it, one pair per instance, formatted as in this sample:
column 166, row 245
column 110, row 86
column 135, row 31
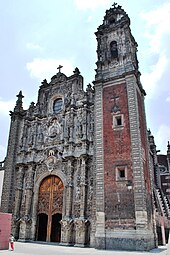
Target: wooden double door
column 50, row 202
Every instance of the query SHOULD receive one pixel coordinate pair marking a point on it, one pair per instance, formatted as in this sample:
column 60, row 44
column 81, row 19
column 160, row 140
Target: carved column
column 18, row 192
column 18, row 200
column 25, row 224
column 83, row 188
column 69, row 197
column 67, row 235
column 29, row 190
column 81, row 223
column 84, row 122
column 67, row 222
column 82, row 234
column 71, row 123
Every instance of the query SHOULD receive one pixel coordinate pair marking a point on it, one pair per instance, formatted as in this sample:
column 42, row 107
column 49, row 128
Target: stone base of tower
column 126, row 240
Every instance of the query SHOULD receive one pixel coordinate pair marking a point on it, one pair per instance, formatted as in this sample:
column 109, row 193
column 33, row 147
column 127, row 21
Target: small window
column 117, row 121
column 121, row 173
column 58, row 105
column 112, row 21
column 113, row 49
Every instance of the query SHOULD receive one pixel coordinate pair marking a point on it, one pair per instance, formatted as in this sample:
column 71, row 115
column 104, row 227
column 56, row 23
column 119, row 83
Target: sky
column 38, row 35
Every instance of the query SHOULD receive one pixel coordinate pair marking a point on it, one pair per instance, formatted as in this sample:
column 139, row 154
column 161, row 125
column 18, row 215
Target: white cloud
column 89, row 19
column 6, row 106
column 46, row 68
column 157, row 26
column 91, row 4
column 150, row 80
column 156, row 31
column 33, row 46
column 162, row 137
column 168, row 99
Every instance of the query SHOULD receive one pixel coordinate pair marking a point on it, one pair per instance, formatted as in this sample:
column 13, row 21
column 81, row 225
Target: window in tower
column 57, row 105
column 113, row 49
column 121, row 173
column 117, row 121
column 112, row 21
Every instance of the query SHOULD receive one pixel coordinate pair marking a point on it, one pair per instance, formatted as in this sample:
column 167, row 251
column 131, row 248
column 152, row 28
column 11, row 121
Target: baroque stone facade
column 78, row 170
column 54, row 163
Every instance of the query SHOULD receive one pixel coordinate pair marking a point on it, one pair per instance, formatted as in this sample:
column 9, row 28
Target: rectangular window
column 117, row 121
column 121, row 173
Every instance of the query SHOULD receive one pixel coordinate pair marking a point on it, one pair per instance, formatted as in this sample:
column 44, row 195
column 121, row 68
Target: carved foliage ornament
column 51, row 195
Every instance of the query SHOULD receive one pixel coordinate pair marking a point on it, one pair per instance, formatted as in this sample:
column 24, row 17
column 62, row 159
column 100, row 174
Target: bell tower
column 124, row 215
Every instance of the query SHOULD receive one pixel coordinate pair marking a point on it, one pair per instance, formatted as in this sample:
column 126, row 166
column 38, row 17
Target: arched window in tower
column 57, row 105
column 112, row 20
column 113, row 49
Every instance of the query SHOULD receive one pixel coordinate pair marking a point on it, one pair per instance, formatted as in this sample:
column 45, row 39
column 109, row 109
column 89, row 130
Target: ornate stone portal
column 74, row 154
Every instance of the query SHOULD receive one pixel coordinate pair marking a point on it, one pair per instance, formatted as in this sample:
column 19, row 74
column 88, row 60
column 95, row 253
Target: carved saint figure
column 54, row 128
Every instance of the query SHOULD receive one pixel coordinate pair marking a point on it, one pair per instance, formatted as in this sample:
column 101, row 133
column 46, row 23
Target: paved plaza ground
column 49, row 249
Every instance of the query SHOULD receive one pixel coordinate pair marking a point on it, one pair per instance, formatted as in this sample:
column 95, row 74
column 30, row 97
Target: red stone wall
column 119, row 201
column 5, row 230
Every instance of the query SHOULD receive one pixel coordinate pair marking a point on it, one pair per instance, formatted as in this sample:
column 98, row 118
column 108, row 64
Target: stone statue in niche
column 54, row 128
column 40, row 136
column 78, row 193
column 31, row 136
column 67, row 101
column 24, row 137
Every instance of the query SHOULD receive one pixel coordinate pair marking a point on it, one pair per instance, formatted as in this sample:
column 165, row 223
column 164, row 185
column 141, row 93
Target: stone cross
column 114, row 98
column 59, row 68
column 114, row 5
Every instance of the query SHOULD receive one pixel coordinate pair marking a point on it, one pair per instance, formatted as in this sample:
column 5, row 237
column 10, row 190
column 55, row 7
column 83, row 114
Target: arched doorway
column 50, row 202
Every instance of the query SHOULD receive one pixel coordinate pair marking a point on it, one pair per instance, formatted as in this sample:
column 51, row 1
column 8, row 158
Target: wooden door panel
column 50, row 199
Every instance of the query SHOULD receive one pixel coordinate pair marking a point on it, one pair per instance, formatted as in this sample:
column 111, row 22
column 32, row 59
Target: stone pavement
column 49, row 249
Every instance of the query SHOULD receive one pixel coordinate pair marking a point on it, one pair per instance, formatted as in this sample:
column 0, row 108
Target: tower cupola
column 116, row 49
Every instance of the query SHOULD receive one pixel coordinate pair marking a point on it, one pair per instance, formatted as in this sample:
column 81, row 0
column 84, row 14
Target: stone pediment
column 59, row 77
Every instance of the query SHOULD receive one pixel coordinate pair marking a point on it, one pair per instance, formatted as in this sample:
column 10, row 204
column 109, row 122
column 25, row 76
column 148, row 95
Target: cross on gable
column 59, row 68
column 114, row 5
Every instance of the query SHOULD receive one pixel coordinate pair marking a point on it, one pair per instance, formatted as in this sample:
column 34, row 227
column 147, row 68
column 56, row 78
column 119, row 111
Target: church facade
column 78, row 169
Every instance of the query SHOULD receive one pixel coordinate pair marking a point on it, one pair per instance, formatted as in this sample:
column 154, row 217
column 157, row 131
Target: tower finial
column 59, row 68
column 114, row 5
column 18, row 105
